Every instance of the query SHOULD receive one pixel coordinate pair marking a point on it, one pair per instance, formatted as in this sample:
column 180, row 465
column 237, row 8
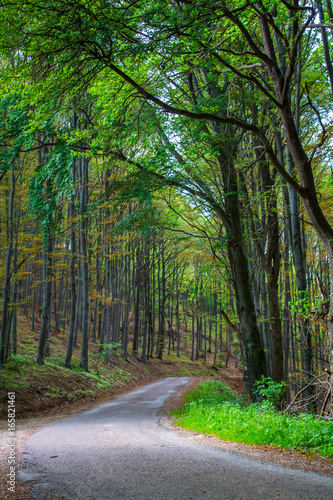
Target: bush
column 269, row 390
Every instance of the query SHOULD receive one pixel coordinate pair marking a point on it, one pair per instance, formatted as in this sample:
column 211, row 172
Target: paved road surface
column 119, row 451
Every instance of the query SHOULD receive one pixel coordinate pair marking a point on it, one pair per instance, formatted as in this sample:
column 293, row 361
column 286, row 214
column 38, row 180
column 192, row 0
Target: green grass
column 215, row 409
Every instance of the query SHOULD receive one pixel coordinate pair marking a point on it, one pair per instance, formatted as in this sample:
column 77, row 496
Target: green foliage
column 17, row 361
column 142, row 219
column 213, row 391
column 300, row 305
column 81, row 393
column 57, row 392
column 120, row 377
column 269, row 390
column 14, row 119
column 51, row 182
column 107, row 350
column 213, row 408
column 55, row 361
column 14, row 371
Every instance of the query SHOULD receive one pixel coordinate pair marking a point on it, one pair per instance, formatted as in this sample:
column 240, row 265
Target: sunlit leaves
column 51, row 183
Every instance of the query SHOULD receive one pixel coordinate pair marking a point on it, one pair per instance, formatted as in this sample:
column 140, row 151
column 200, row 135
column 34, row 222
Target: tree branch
column 215, row 118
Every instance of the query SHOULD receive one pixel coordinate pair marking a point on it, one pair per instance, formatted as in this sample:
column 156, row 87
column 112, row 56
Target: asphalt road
column 119, row 451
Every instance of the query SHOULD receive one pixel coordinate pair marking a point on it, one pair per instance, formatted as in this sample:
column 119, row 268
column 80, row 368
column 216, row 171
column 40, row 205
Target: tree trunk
column 70, row 344
column 255, row 362
column 47, row 265
column 6, row 290
column 83, row 172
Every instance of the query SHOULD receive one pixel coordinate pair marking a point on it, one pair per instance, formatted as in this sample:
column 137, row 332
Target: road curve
column 119, row 451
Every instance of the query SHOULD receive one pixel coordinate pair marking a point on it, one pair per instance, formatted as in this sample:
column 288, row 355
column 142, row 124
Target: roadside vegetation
column 213, row 408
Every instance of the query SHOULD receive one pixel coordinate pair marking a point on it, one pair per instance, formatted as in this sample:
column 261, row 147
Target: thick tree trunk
column 255, row 362
column 272, row 261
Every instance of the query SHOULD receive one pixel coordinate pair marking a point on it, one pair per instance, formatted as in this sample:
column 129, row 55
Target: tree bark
column 83, row 172
column 72, row 323
column 48, row 273
column 6, row 290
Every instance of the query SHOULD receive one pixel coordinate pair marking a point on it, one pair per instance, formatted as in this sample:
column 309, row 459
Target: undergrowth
column 213, row 408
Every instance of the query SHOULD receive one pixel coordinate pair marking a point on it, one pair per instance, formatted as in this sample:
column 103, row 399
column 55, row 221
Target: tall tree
column 173, row 41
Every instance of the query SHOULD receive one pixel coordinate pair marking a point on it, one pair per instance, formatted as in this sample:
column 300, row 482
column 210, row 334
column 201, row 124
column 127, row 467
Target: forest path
column 120, row 451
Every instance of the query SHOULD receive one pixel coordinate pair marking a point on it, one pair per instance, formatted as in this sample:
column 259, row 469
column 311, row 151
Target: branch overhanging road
column 119, row 451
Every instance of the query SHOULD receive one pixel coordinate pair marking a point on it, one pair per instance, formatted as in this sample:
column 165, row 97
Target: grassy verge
column 213, row 408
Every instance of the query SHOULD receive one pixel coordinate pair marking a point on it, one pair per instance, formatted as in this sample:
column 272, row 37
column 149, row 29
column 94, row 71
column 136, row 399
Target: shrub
column 269, row 390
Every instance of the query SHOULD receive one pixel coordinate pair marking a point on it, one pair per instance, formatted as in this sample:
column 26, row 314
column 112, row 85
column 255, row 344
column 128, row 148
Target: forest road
column 120, row 451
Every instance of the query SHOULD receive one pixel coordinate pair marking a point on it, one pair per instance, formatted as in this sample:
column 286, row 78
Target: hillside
column 41, row 390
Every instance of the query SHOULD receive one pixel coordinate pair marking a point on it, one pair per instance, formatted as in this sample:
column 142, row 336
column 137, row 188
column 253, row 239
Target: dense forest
column 166, row 176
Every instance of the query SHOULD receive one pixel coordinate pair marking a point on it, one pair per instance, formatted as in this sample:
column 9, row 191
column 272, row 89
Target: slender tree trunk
column 161, row 332
column 300, row 272
column 13, row 321
column 178, row 318
column 72, row 323
column 48, row 273
column 83, row 170
column 6, row 290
